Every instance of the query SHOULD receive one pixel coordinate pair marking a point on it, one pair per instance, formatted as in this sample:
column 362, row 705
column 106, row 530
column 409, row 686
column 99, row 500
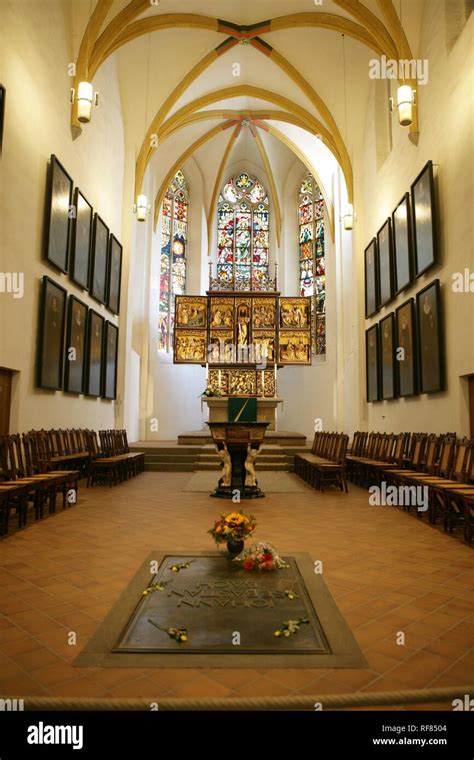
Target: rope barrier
column 297, row 702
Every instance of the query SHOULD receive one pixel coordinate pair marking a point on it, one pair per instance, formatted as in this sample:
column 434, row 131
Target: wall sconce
column 86, row 97
column 406, row 99
column 141, row 208
column 348, row 217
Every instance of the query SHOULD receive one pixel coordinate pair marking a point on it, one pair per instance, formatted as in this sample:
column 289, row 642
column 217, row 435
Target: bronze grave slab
column 214, row 598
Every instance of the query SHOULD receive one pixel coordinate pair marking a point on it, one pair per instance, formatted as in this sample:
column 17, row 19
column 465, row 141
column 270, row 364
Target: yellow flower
column 277, row 633
column 183, row 637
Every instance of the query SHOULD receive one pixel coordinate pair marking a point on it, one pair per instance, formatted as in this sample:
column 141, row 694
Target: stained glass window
column 311, row 256
column 174, row 236
column 243, row 218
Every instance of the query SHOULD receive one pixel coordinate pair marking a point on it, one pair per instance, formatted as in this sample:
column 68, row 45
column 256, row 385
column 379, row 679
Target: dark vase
column 235, row 547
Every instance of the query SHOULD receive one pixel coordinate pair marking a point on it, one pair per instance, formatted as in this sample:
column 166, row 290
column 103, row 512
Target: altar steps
column 163, row 456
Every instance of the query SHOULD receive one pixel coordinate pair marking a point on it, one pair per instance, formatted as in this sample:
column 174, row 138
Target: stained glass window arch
column 174, row 239
column 312, row 273
column 243, row 233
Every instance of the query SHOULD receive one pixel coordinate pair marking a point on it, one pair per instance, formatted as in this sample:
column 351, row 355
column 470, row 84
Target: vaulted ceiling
column 264, row 80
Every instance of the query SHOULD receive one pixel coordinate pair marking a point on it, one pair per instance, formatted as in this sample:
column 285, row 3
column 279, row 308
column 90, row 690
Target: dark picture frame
column 94, row 354
column 371, row 279
column 388, row 376
column 424, row 220
column 81, row 234
column 114, row 277
column 402, row 244
column 3, row 97
column 385, row 262
column 406, row 339
column 430, row 338
column 52, row 320
column 109, row 362
column 99, row 256
column 75, row 350
column 57, row 219
column 372, row 363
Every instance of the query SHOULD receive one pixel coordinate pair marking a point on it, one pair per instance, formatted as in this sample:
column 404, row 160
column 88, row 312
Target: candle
column 275, row 370
column 263, row 384
column 219, row 379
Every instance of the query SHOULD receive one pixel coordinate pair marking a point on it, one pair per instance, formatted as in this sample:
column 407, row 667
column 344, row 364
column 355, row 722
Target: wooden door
column 471, row 404
column 5, row 400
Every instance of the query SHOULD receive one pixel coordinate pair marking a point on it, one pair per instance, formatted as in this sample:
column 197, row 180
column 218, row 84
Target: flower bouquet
column 262, row 556
column 233, row 528
column 209, row 393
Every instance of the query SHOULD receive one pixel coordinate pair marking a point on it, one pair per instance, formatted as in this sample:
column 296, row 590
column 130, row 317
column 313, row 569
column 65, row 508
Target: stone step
column 169, row 467
column 267, row 466
column 178, row 457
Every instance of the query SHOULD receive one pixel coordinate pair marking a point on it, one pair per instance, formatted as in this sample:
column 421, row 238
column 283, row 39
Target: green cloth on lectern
column 242, row 409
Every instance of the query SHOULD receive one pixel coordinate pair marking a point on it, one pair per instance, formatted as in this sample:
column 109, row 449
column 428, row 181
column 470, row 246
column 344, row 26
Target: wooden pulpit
column 238, row 444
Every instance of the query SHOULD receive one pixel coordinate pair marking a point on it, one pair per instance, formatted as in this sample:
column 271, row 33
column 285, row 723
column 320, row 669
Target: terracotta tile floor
column 388, row 572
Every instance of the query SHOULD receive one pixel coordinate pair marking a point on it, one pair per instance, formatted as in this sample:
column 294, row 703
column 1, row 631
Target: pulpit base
column 227, row 492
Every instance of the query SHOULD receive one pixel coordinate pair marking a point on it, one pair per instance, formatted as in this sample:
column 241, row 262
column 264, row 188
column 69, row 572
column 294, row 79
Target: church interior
column 236, row 355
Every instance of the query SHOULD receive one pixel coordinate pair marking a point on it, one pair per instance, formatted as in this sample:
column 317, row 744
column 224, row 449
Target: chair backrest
column 446, row 455
column 460, row 459
column 431, row 453
column 341, row 448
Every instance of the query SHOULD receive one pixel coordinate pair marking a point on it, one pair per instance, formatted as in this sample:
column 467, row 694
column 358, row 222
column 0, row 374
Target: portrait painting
column 424, row 220
column 190, row 346
column 57, row 216
column 402, row 245
column 52, row 320
column 114, row 275
column 387, row 353
column 264, row 346
column 295, row 313
column 295, row 347
column 430, row 334
column 100, row 245
column 371, row 279
column 109, row 369
column 81, row 234
column 385, row 263
column 222, row 313
column 191, row 311
column 221, row 349
column 75, row 351
column 263, row 312
column 94, row 354
column 372, row 363
column 405, row 349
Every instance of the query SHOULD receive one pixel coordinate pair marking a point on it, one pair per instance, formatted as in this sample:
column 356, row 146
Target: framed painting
column 190, row 346
column 81, row 240
column 424, row 220
column 387, row 355
column 114, row 269
column 3, row 95
column 430, row 337
column 109, row 380
column 242, row 382
column 75, row 353
column 402, row 245
column 371, row 279
column 58, row 201
column 191, row 311
column 372, row 363
column 295, row 347
column 221, row 349
column 222, row 313
column 94, row 354
column 264, row 347
column 100, row 243
column 52, row 320
column 405, row 349
column 385, row 263
column 295, row 313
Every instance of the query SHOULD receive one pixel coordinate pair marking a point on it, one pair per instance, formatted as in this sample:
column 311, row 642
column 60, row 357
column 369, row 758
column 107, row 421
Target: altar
column 266, row 409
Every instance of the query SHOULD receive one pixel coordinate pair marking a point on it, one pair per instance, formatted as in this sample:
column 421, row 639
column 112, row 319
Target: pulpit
column 238, row 445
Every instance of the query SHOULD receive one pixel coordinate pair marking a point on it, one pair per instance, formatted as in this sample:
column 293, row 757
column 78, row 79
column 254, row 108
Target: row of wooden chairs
column 114, row 462
column 442, row 465
column 326, row 462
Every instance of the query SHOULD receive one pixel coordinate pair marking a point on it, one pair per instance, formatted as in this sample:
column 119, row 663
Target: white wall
column 36, row 49
column 446, row 119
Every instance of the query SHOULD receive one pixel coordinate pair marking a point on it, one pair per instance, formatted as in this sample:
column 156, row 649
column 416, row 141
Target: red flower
column 268, row 558
column 248, row 564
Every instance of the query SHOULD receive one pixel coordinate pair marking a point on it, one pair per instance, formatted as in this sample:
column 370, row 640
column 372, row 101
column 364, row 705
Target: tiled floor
column 388, row 572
